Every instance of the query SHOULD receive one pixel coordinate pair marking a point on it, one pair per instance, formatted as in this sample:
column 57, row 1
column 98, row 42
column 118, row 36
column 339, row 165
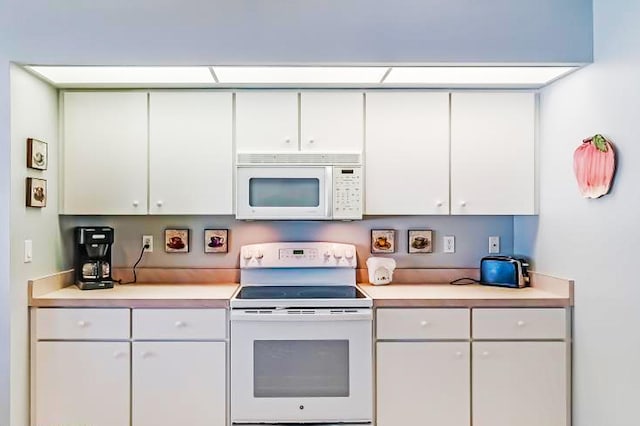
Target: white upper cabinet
column 407, row 153
column 266, row 121
column 105, row 153
column 190, row 153
column 493, row 153
column 332, row 121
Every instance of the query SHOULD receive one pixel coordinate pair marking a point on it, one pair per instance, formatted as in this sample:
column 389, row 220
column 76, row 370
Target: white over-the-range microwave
column 299, row 186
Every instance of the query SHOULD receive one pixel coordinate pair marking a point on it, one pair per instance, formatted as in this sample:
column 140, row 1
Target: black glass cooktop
column 300, row 292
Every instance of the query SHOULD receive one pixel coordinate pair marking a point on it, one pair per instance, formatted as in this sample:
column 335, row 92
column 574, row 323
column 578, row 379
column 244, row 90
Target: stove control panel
column 298, row 255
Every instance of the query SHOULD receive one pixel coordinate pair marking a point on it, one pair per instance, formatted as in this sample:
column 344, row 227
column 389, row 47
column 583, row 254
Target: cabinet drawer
column 82, row 324
column 179, row 324
column 422, row 323
column 523, row 323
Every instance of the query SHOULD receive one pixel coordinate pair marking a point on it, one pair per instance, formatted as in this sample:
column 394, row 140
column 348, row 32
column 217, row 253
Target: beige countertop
column 461, row 296
column 141, row 296
column 55, row 291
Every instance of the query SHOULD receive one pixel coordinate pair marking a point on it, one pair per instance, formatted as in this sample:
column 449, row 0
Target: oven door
column 306, row 366
column 282, row 192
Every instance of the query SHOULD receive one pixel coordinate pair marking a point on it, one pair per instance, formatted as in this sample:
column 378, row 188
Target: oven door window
column 301, row 368
column 284, row 192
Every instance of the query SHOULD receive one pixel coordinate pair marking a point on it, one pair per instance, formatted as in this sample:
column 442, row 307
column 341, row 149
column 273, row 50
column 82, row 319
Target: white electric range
column 301, row 337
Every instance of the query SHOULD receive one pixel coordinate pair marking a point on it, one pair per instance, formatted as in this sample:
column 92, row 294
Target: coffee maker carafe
column 93, row 257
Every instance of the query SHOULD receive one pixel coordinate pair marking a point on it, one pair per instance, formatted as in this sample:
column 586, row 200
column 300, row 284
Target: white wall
column 5, row 191
column 596, row 241
column 34, row 114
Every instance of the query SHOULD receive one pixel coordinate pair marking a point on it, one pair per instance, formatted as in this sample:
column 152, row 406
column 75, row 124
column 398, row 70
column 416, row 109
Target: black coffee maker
column 93, row 257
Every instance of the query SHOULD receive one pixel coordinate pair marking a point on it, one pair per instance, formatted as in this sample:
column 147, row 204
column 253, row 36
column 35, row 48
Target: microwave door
column 284, row 193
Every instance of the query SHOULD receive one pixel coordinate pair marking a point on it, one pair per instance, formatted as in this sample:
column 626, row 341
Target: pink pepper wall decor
column 594, row 164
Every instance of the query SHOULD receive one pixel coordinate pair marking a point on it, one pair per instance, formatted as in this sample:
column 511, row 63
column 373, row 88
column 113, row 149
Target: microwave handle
column 328, row 192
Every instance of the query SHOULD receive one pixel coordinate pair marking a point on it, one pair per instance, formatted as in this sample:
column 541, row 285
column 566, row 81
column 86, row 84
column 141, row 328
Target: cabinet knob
column 180, row 324
column 424, row 323
column 146, row 354
column 521, row 323
column 287, row 140
column 438, row 203
column 82, row 323
column 311, row 141
column 119, row 354
column 463, row 203
column 459, row 354
column 485, row 354
column 159, row 203
column 136, row 203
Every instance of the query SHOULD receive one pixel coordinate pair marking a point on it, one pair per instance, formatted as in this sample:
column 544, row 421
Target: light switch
column 28, row 251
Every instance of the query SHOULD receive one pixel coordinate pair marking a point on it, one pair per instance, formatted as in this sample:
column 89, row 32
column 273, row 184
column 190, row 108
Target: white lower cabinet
column 179, row 383
column 511, row 368
column 520, row 383
column 81, row 383
column 423, row 383
column 171, row 371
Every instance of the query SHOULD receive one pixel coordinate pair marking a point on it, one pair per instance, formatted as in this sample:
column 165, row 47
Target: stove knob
column 327, row 254
column 337, row 254
column 247, row 254
column 349, row 254
column 259, row 254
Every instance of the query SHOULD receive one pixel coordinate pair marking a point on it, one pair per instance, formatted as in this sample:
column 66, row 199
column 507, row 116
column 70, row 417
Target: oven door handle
column 288, row 316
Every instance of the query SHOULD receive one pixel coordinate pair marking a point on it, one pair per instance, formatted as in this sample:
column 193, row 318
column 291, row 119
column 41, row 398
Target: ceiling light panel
column 66, row 75
column 299, row 75
column 476, row 76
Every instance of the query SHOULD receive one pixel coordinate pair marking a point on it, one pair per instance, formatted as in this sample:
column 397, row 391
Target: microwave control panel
column 347, row 193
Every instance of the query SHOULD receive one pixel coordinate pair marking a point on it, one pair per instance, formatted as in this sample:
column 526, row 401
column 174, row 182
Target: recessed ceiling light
column 299, row 75
column 475, row 75
column 123, row 75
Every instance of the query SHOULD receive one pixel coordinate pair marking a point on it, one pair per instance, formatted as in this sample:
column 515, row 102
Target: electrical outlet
column 147, row 239
column 449, row 243
column 494, row 245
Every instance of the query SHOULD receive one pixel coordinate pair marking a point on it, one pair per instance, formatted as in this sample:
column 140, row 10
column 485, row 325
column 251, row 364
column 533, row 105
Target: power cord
column 135, row 265
column 469, row 281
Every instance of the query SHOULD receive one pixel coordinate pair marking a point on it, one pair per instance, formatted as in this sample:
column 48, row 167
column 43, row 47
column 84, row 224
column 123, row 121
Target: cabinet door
column 423, row 383
column 493, row 153
column 407, row 153
column 190, row 153
column 82, row 383
column 179, row 383
column 266, row 121
column 105, row 153
column 520, row 383
column 332, row 121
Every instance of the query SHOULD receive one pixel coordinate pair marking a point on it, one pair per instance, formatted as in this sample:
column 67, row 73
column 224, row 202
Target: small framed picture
column 37, row 154
column 216, row 240
column 176, row 240
column 383, row 241
column 36, row 192
column 420, row 241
